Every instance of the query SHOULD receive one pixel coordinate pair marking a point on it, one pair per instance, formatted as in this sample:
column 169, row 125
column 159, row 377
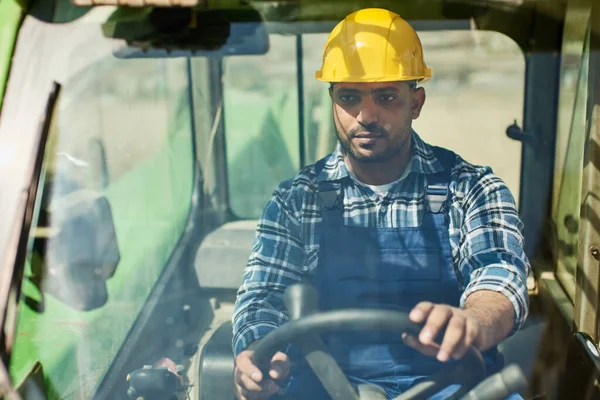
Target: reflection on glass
column 566, row 212
column 570, row 68
column 119, row 175
column 261, row 124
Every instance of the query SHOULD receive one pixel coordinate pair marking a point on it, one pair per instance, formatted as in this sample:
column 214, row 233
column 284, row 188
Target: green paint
column 150, row 205
column 11, row 15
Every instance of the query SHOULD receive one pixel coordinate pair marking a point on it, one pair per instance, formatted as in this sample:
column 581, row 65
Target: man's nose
column 368, row 113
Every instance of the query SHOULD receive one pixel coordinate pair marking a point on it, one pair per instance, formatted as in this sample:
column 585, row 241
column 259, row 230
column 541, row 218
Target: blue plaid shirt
column 485, row 235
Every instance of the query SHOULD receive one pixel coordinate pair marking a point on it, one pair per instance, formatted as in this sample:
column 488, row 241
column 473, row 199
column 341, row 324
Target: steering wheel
column 306, row 323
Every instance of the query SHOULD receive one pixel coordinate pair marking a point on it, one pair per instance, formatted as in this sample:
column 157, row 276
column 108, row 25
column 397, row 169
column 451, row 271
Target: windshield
column 162, row 209
column 477, row 88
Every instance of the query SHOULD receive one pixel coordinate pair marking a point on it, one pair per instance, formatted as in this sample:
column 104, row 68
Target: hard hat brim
column 365, row 78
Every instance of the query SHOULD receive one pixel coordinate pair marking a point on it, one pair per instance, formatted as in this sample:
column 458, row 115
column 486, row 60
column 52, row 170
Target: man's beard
column 395, row 144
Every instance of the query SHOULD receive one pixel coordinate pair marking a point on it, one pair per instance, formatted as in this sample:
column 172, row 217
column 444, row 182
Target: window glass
column 261, row 124
column 570, row 67
column 118, row 183
column 475, row 93
column 320, row 138
column 570, row 145
column 107, row 106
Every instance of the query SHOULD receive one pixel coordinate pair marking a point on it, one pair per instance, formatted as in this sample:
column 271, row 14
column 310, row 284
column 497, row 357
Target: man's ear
column 418, row 100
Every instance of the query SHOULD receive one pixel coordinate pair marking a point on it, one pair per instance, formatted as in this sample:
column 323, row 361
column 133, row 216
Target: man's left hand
column 462, row 330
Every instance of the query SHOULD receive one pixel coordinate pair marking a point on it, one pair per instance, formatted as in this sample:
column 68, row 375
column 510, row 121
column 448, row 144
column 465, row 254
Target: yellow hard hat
column 373, row 45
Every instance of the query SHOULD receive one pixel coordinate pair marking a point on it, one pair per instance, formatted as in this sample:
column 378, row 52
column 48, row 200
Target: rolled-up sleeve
column 492, row 255
column 274, row 264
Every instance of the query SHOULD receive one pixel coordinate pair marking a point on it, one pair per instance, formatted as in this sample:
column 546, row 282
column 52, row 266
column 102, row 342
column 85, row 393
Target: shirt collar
column 423, row 161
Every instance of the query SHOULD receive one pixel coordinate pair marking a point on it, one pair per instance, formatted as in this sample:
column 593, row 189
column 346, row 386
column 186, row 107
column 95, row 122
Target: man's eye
column 347, row 98
column 386, row 98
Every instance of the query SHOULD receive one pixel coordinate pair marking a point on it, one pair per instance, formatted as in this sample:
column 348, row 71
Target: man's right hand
column 250, row 384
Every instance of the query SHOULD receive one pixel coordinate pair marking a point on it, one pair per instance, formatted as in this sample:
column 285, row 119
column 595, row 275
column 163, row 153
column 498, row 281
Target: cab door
column 587, row 296
column 575, row 201
column 581, row 368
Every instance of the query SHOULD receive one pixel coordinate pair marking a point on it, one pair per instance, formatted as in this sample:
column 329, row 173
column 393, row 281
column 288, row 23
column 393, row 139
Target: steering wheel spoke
column 326, row 368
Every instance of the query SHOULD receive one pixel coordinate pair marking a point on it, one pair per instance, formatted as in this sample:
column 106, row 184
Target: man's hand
column 487, row 319
column 462, row 330
column 249, row 381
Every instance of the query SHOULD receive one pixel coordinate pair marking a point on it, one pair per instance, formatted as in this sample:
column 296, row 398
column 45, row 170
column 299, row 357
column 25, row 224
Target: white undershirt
column 380, row 190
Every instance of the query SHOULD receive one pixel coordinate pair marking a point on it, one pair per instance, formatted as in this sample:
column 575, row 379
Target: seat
column 215, row 372
column 223, row 255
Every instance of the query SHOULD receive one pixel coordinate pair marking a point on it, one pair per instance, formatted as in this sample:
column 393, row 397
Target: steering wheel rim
column 353, row 319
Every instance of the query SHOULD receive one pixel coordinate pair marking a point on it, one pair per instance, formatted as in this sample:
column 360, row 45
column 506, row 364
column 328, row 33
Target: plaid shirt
column 485, row 235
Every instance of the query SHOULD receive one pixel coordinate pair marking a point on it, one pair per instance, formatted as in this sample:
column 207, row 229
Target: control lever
column 160, row 381
column 500, row 385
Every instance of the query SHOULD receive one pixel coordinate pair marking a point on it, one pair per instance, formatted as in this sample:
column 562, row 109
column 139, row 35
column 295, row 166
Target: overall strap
column 329, row 192
column 438, row 183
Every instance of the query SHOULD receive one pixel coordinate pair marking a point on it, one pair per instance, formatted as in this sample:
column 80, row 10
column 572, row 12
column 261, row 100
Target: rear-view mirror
column 181, row 32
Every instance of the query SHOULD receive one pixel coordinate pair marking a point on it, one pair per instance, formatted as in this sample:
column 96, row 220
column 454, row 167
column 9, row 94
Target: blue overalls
column 390, row 268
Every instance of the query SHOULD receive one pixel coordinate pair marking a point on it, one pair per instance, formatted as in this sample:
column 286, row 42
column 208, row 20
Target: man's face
column 373, row 120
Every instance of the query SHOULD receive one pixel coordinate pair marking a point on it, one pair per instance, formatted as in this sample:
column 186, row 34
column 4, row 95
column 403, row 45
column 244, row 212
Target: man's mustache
column 368, row 130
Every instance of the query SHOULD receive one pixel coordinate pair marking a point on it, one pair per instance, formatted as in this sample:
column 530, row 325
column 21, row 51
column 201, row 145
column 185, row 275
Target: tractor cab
column 141, row 140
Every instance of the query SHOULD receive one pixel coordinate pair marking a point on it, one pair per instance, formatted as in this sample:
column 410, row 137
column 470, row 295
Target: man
column 386, row 221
